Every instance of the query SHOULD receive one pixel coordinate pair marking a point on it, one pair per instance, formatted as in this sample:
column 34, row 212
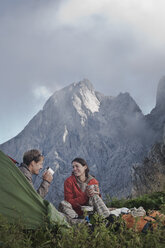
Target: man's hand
column 47, row 176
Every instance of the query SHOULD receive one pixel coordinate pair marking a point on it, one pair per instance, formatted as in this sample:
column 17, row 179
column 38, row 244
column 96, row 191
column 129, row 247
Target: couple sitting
column 80, row 190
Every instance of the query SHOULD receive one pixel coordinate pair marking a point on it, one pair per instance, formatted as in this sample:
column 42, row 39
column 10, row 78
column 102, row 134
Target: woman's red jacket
column 74, row 195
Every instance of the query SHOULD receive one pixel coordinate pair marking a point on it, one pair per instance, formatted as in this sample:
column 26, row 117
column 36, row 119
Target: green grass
column 151, row 201
column 116, row 235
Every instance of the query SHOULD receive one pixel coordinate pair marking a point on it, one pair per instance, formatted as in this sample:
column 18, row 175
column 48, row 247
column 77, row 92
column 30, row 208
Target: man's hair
column 32, row 155
column 83, row 163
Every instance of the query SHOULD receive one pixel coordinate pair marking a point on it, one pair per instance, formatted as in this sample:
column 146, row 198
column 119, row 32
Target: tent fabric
column 19, row 202
column 15, row 162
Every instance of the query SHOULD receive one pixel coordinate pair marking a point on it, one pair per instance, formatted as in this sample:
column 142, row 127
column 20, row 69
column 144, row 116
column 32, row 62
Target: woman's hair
column 32, row 155
column 83, row 163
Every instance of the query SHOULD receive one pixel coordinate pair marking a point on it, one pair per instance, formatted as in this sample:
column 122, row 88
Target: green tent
column 19, row 202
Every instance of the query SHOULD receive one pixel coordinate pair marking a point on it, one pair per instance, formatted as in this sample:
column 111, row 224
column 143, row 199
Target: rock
column 156, row 119
column 149, row 176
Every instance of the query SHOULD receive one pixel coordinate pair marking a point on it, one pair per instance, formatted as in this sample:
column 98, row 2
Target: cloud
column 73, row 11
column 42, row 92
column 143, row 17
column 117, row 45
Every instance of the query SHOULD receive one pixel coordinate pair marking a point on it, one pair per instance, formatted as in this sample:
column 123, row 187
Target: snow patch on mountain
column 57, row 166
column 57, row 156
column 65, row 134
column 85, row 101
column 78, row 106
column 90, row 100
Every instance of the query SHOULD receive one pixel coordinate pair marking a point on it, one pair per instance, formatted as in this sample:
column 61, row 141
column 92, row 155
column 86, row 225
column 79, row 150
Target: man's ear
column 32, row 163
column 31, row 166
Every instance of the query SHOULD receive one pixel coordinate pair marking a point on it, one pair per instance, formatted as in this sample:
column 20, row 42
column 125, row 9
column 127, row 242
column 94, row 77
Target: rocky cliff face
column 156, row 119
column 111, row 133
column 149, row 176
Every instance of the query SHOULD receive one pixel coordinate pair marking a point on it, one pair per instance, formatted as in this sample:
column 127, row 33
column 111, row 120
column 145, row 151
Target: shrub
column 150, row 201
column 116, row 235
column 81, row 236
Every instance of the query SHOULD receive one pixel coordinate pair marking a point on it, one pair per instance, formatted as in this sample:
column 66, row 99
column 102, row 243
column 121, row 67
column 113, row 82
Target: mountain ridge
column 111, row 133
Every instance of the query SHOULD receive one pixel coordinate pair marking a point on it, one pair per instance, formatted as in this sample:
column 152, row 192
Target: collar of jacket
column 26, row 167
column 82, row 185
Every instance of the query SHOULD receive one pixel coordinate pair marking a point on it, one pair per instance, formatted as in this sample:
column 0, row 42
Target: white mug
column 50, row 170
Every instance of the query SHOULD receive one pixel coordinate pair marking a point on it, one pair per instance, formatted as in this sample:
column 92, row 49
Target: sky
column 46, row 45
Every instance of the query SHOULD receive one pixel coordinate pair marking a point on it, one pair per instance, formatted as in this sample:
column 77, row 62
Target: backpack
column 143, row 223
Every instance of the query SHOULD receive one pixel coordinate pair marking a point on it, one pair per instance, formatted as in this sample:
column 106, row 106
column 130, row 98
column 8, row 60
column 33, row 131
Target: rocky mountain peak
column 160, row 97
column 110, row 133
column 124, row 103
column 67, row 93
column 156, row 118
column 79, row 97
column 85, row 83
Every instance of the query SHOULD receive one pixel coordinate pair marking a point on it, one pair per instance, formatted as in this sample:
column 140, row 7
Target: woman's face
column 78, row 169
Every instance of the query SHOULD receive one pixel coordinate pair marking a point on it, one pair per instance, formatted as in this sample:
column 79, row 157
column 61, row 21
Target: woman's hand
column 91, row 190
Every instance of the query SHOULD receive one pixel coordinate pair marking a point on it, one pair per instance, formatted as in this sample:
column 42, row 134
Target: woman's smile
column 78, row 169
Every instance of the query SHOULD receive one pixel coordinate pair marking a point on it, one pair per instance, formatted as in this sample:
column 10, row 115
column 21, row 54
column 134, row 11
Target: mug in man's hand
column 50, row 170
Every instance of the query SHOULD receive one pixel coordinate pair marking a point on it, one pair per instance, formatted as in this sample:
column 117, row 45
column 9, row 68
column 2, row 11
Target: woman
column 78, row 192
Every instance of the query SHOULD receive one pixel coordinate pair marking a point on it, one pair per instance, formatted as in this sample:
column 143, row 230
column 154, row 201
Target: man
column 32, row 163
